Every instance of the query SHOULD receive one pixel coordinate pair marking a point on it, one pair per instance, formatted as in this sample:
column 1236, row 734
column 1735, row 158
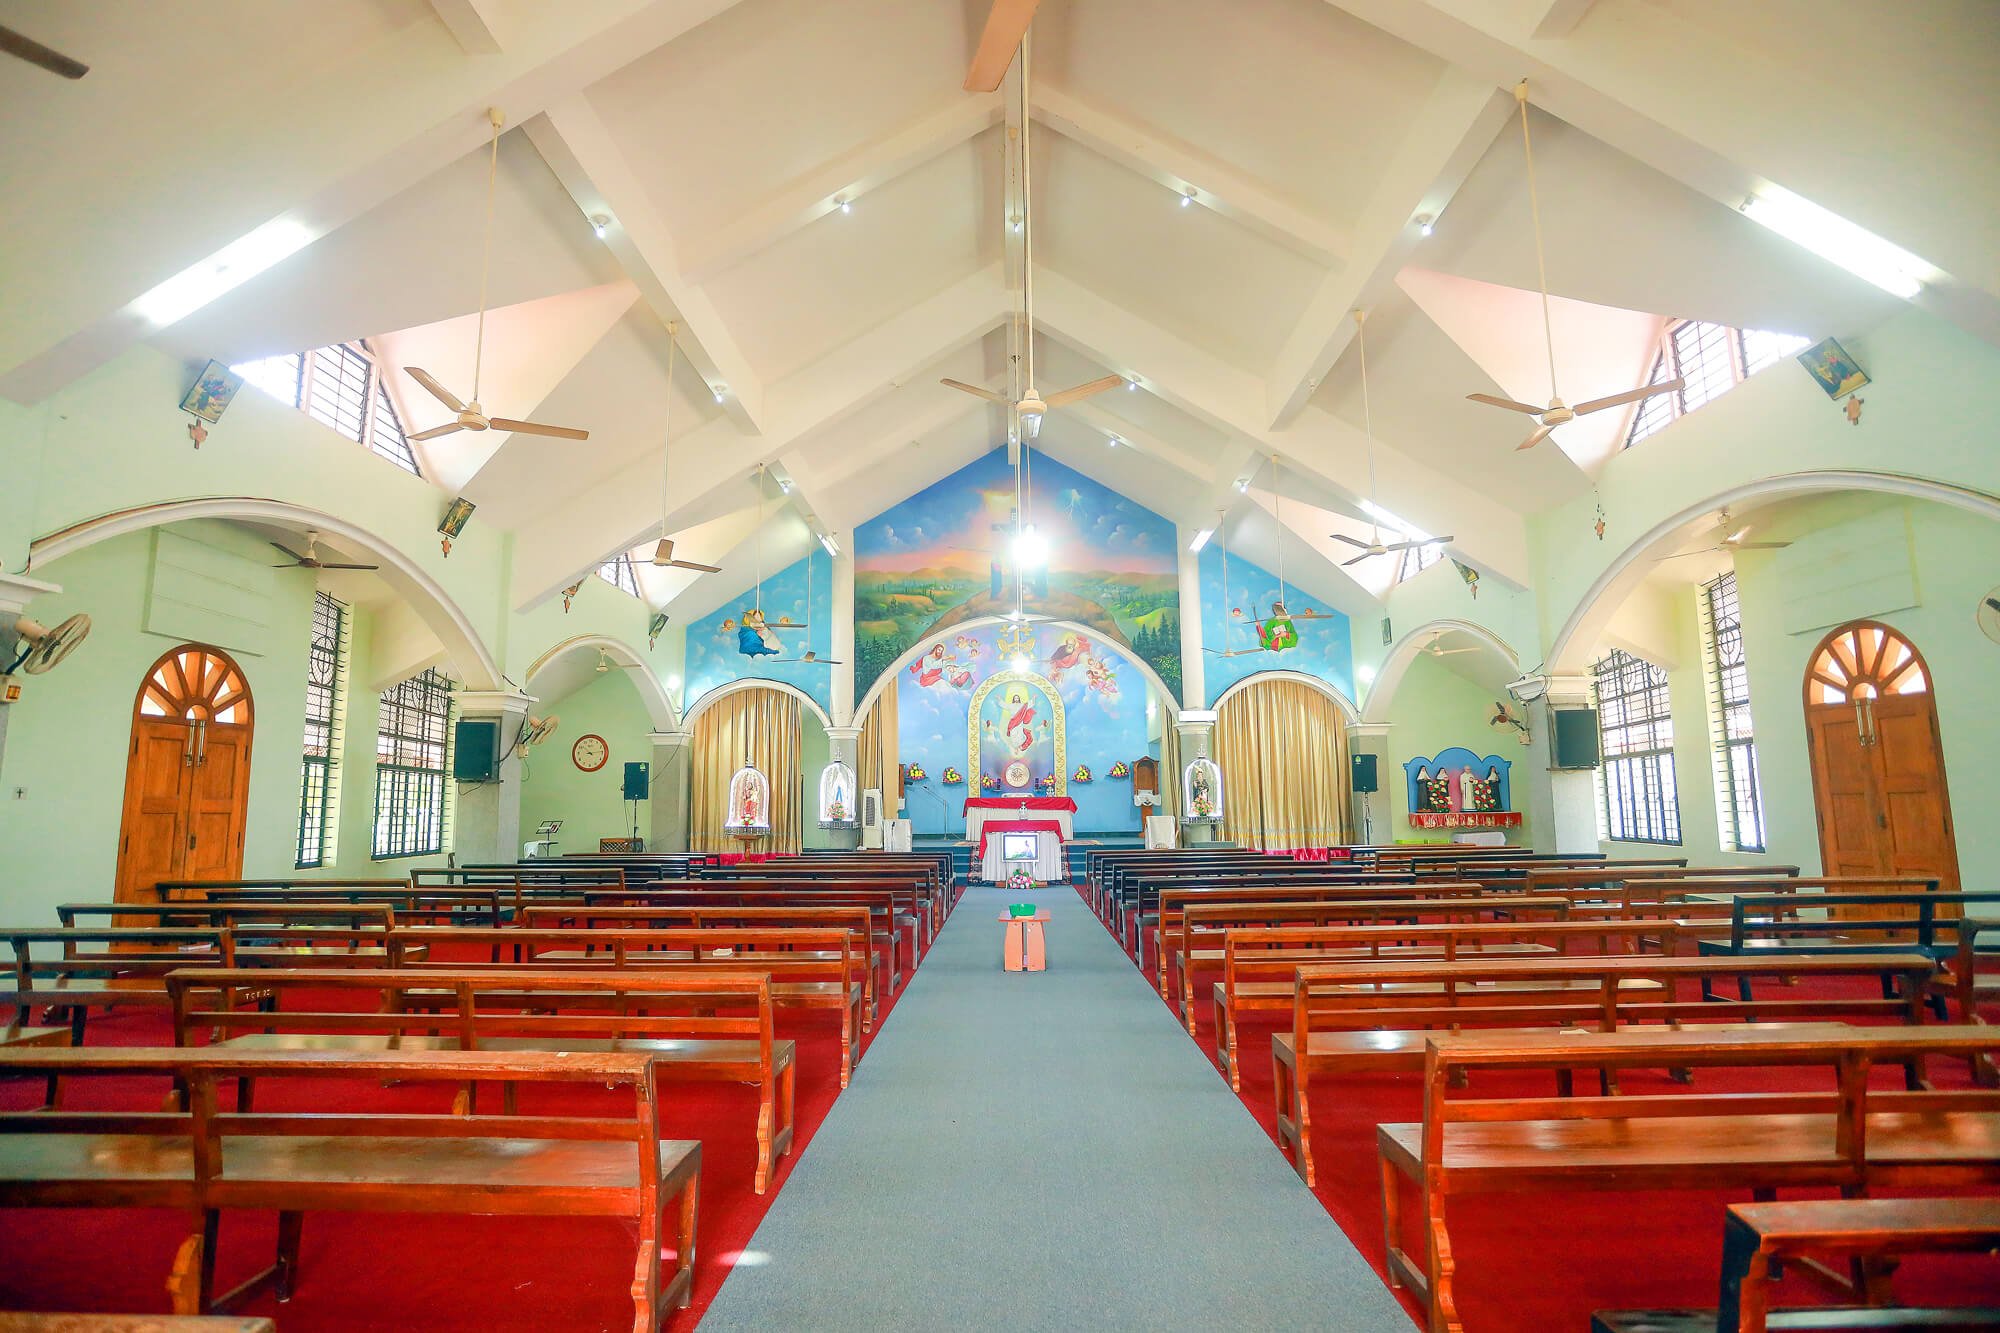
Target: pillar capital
column 17, row 590
column 493, row 703
column 1569, row 691
column 843, row 734
column 670, row 739
column 1367, row 730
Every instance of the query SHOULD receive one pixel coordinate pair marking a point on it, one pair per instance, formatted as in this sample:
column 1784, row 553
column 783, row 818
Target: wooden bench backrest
column 1892, row 915
column 1266, row 953
column 857, row 919
column 233, row 913
column 785, row 951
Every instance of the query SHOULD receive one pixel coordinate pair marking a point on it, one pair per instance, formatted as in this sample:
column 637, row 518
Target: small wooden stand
column 1025, row 949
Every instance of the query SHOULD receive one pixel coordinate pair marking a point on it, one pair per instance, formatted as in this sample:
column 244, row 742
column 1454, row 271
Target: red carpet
column 400, row 1271
column 1531, row 1263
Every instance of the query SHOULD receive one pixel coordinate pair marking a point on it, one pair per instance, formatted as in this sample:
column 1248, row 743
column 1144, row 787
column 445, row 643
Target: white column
column 1572, row 792
column 1371, row 816
column 1196, row 729
column 668, row 830
column 843, row 700
column 1194, row 675
column 843, row 745
column 16, row 591
column 489, row 813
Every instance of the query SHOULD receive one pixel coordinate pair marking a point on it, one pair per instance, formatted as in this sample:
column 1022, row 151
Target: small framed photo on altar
column 1019, row 847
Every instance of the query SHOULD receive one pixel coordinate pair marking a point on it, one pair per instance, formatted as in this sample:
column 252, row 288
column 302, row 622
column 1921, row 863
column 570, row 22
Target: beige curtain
column 1282, row 746
column 880, row 747
column 1170, row 762
column 762, row 725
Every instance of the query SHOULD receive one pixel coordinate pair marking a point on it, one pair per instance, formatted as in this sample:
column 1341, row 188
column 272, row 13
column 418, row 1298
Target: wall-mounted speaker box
column 476, row 750
column 1364, row 773
column 1574, row 738
column 637, row 780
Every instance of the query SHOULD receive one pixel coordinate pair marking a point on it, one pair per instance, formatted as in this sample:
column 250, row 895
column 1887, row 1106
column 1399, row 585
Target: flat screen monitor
column 1018, row 846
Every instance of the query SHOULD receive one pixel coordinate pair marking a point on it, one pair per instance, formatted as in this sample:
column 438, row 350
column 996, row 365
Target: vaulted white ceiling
column 721, row 140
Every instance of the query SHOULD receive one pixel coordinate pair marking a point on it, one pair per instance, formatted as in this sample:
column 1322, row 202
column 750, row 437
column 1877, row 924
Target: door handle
column 187, row 747
column 201, row 735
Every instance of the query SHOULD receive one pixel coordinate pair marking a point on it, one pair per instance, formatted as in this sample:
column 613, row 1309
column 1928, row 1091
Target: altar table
column 1048, row 866
column 979, row 809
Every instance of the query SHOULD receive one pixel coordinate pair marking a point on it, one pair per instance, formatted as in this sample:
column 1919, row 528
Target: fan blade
column 326, row 565
column 1351, row 541
column 1447, row 652
column 1064, row 397
column 438, row 391
column 1507, row 403
column 976, row 391
column 537, row 428
column 1758, row 546
column 1629, row 396
column 1365, row 555
column 1006, row 24
column 296, row 558
column 448, row 428
column 55, row 62
column 1541, row 433
column 695, row 566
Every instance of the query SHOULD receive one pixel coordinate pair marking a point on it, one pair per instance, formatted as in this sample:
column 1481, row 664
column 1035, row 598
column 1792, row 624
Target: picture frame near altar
column 1016, row 736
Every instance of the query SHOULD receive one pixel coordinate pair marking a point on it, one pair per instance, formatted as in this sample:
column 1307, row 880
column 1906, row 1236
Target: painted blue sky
column 712, row 657
column 1326, row 646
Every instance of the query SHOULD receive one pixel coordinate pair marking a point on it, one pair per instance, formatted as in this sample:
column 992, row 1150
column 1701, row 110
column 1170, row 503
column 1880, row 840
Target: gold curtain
column 880, row 747
column 1282, row 746
column 763, row 725
column 1170, row 762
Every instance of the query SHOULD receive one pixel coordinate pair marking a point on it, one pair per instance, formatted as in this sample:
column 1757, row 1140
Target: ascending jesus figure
column 1022, row 721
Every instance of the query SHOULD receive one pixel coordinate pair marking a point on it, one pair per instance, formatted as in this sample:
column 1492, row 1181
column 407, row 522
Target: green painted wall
column 591, row 805
column 1434, row 709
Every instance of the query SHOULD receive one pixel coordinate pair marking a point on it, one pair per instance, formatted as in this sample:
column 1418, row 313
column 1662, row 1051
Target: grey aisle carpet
column 1044, row 1150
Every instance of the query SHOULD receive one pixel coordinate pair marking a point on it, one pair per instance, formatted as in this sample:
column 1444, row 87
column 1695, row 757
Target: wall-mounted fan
column 42, row 648
column 534, row 731
column 311, row 560
column 1557, row 413
column 471, row 416
column 1503, row 719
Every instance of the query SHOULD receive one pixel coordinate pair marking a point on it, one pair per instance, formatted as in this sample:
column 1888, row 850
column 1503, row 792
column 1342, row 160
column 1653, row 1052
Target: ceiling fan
column 663, row 553
column 1557, row 413
column 1432, row 649
column 55, row 62
column 1728, row 538
column 1030, row 408
column 471, row 416
column 1374, row 546
column 311, row 560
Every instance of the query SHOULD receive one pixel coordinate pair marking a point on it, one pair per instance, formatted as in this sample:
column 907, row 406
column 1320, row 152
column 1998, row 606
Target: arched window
column 1864, row 661
column 196, row 684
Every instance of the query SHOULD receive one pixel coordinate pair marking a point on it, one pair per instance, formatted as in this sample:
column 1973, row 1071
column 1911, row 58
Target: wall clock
column 1989, row 614
column 589, row 753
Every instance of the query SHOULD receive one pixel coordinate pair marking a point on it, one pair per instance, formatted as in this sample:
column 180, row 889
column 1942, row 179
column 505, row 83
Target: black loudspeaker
column 1574, row 738
column 1364, row 773
column 637, row 781
column 475, row 750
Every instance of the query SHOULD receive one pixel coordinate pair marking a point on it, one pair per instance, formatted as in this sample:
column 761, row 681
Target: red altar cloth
column 1018, row 803
column 993, row 826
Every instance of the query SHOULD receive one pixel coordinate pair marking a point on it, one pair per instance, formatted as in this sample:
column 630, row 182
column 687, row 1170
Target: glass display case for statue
column 1201, row 792
column 837, row 804
column 749, row 804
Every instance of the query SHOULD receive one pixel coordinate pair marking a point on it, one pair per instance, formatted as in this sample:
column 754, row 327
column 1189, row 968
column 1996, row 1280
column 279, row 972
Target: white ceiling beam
column 1448, row 136
column 1325, row 447
column 1217, row 185
column 584, row 155
column 470, row 24
column 408, row 109
column 1192, row 466
column 1723, row 120
column 1558, row 18
column 547, row 552
column 849, row 176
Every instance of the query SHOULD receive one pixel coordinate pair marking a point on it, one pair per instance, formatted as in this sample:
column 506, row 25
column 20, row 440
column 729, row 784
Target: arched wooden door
column 1877, row 760
column 187, row 773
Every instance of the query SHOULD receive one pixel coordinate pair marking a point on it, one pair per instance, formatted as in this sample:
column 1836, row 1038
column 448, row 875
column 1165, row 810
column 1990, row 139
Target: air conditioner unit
column 871, row 819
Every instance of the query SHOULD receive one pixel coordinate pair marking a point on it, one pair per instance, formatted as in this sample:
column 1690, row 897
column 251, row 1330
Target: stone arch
column 894, row 670
column 1568, row 655
column 443, row 616
column 1397, row 662
column 659, row 705
column 1324, row 686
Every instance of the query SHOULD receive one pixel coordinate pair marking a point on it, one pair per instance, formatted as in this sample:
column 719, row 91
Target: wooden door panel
column 217, row 803
column 151, row 842
column 1844, row 787
column 1916, row 824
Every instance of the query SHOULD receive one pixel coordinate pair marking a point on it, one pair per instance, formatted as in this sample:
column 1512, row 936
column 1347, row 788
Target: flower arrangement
column 987, row 782
column 1118, row 770
column 1020, row 880
column 1046, row 783
column 1436, row 792
column 1082, row 773
column 916, row 773
column 1485, row 794
column 952, row 777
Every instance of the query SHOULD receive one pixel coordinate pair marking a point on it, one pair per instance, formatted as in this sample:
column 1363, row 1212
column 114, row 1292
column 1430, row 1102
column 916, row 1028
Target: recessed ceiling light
column 846, row 205
column 1132, row 385
column 1187, row 196
column 1425, row 223
column 600, row 223
column 720, row 391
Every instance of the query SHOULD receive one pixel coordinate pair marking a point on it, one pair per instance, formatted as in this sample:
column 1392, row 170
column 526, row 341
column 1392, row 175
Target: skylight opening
column 620, row 574
column 342, row 387
column 1713, row 359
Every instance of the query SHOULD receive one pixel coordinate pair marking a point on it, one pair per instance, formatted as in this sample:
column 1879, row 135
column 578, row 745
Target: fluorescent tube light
column 230, row 267
column 1201, row 539
column 1838, row 241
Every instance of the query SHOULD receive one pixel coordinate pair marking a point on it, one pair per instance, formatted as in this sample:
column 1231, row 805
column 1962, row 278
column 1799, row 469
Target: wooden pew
column 1842, row 1134
column 326, row 1161
column 469, row 905
column 925, row 893
column 879, row 944
column 1260, row 964
column 893, row 907
column 232, row 914
column 808, row 969
column 1758, row 1237
column 176, row 890
column 131, row 1323
column 1368, row 1017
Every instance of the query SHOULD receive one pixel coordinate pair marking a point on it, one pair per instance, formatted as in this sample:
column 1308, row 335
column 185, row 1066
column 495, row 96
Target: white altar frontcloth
column 1047, row 866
